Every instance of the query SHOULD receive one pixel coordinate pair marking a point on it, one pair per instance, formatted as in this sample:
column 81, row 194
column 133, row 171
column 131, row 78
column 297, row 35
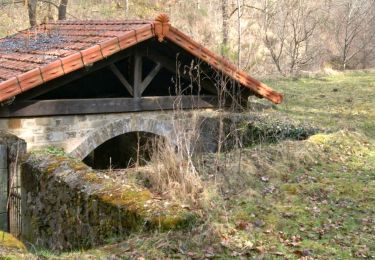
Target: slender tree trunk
column 126, row 7
column 225, row 29
column 239, row 33
column 31, row 6
column 62, row 9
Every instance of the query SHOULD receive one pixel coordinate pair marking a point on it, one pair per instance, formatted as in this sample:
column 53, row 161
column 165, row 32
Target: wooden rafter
column 76, row 75
column 121, row 78
column 137, row 74
column 171, row 65
column 150, row 77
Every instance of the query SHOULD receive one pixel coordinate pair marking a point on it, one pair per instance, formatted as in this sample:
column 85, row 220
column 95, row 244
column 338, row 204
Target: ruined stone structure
column 79, row 84
column 80, row 134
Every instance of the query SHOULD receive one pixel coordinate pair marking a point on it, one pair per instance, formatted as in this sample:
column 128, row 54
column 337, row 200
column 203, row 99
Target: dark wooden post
column 137, row 85
column 3, row 188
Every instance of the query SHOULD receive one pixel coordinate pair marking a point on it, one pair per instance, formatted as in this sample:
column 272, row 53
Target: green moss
column 178, row 220
column 92, row 177
column 129, row 198
column 7, row 240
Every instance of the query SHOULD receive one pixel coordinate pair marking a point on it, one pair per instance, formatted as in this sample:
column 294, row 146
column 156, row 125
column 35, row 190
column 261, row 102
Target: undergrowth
column 311, row 199
column 275, row 197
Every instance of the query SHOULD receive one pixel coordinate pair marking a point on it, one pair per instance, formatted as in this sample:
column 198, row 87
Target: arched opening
column 123, row 151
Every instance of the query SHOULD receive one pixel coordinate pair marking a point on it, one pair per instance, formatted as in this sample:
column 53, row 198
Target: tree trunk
column 31, row 6
column 224, row 9
column 126, row 7
column 62, row 9
column 239, row 32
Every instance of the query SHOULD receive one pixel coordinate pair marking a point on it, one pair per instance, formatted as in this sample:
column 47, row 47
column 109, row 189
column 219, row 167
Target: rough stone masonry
column 80, row 134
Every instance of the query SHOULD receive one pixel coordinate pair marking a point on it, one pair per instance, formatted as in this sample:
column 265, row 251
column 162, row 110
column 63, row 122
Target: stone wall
column 81, row 133
column 67, row 205
column 68, row 132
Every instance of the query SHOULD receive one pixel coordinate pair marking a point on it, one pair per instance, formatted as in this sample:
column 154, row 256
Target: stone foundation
column 67, row 205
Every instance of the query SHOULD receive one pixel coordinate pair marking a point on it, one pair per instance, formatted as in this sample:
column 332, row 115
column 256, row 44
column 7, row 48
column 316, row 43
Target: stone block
column 56, row 136
column 28, row 123
column 4, row 124
column 44, row 121
column 14, row 123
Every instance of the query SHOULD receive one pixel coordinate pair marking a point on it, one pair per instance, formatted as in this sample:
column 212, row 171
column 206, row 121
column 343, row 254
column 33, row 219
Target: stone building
column 78, row 85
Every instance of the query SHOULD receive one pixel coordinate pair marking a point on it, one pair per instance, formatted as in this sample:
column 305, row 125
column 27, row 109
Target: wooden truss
column 25, row 105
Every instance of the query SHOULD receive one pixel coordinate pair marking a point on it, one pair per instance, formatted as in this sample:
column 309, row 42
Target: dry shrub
column 171, row 174
column 237, row 170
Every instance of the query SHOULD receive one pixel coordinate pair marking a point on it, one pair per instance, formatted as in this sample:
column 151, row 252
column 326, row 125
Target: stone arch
column 162, row 128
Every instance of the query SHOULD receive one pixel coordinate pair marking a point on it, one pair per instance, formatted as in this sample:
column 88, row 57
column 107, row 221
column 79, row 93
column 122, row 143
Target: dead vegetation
column 309, row 199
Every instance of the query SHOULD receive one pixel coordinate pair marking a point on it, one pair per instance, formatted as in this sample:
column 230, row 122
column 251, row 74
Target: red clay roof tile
column 34, row 56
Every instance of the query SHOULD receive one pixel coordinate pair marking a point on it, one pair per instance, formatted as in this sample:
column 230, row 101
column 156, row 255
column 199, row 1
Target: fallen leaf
column 242, row 225
column 260, row 249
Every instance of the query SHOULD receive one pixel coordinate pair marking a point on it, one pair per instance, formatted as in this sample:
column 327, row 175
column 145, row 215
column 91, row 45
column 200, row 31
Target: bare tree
column 225, row 29
column 289, row 26
column 353, row 34
column 31, row 6
column 126, row 7
column 32, row 10
column 239, row 32
column 62, row 9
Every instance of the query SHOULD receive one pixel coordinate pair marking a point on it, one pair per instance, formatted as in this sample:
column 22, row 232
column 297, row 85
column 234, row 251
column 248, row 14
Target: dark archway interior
column 123, row 151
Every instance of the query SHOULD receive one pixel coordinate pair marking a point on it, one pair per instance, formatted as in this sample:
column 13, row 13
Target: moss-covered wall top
column 68, row 205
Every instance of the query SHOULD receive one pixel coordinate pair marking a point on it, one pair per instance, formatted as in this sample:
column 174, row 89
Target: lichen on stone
column 72, row 206
column 9, row 241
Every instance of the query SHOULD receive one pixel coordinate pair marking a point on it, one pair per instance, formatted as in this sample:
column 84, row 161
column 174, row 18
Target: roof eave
column 223, row 65
column 73, row 62
column 160, row 28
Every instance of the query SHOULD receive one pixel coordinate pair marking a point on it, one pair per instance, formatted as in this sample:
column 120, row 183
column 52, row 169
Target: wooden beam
column 171, row 65
column 122, row 79
column 68, row 78
column 137, row 75
column 150, row 77
column 33, row 108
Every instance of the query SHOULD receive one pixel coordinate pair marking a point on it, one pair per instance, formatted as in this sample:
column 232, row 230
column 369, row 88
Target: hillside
column 312, row 198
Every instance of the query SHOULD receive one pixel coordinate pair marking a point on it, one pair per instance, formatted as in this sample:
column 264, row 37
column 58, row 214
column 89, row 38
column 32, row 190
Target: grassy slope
column 312, row 198
column 340, row 101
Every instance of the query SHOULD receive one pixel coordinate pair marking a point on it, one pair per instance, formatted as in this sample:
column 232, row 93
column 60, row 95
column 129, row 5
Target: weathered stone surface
column 13, row 150
column 79, row 135
column 69, row 132
column 69, row 205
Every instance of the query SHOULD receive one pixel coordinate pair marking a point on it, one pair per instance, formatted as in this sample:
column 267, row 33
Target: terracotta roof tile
column 34, row 56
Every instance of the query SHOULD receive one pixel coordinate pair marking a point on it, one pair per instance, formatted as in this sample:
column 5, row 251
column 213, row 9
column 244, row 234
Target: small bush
column 171, row 174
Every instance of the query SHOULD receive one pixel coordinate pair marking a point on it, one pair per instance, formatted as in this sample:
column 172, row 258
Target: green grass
column 312, row 198
column 286, row 200
column 343, row 101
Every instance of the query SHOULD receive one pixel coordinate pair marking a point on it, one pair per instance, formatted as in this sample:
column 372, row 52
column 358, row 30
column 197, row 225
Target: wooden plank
column 150, row 77
column 122, row 79
column 105, row 105
column 137, row 75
